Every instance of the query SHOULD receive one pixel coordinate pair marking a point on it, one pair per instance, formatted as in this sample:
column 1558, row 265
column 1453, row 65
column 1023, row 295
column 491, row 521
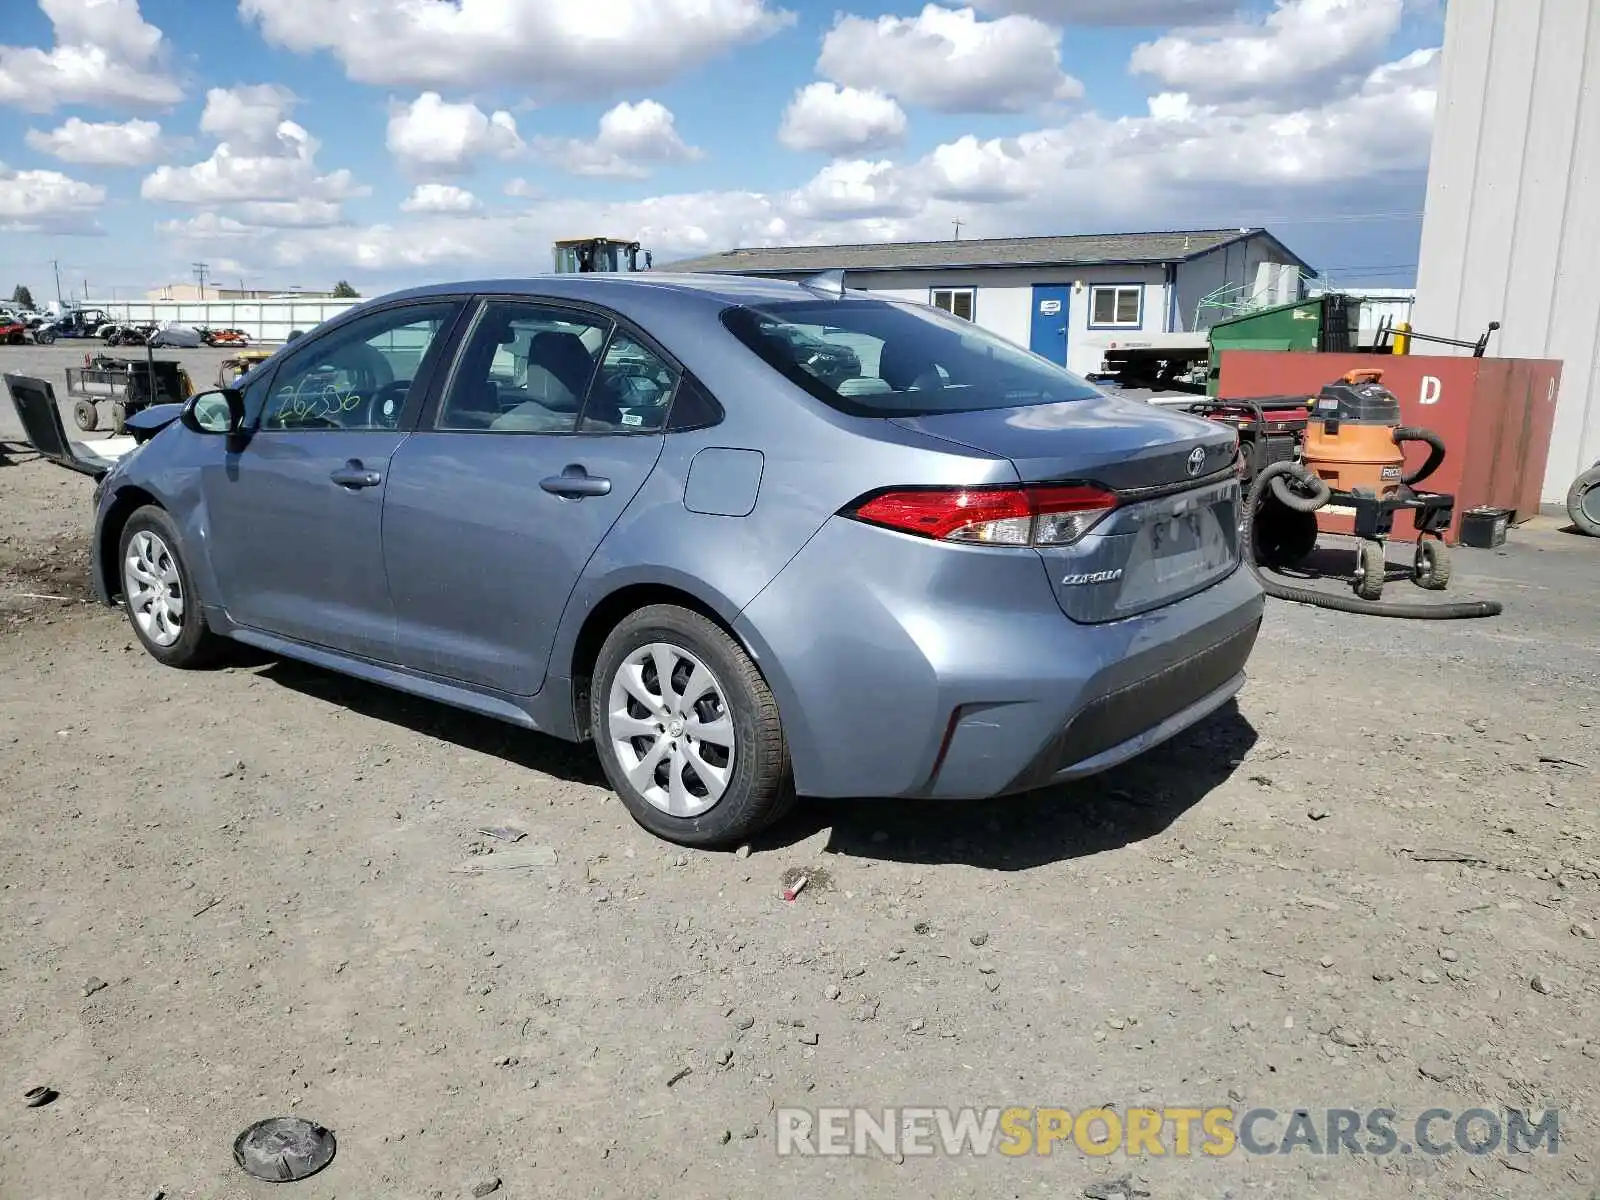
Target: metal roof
column 1080, row 249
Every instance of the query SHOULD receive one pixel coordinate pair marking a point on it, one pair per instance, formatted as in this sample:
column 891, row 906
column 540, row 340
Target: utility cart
column 125, row 385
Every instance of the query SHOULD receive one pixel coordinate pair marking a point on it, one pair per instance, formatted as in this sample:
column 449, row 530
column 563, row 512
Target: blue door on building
column 1048, row 335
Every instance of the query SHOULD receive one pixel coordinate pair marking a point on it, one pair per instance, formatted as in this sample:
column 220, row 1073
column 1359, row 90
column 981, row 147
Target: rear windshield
column 883, row 358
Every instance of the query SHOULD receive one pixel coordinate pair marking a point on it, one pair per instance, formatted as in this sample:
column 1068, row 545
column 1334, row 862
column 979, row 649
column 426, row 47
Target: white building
column 1512, row 226
column 1068, row 298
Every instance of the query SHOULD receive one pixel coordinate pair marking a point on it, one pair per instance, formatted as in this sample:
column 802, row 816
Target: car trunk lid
column 1175, row 530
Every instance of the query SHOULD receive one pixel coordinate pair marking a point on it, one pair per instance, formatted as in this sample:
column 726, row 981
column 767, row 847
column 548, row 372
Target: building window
column 955, row 301
column 1116, row 306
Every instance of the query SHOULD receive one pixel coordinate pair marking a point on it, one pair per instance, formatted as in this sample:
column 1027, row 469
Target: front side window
column 882, row 358
column 356, row 377
column 526, row 368
column 1120, row 307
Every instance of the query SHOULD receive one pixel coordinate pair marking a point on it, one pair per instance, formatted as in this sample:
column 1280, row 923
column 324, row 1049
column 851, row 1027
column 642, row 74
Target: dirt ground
column 262, row 891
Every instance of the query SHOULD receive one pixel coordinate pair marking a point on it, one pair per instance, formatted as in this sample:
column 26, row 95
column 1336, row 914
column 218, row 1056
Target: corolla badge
column 1197, row 460
column 1092, row 577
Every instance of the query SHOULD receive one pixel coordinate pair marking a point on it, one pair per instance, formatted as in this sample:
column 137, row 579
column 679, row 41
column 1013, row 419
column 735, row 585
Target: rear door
column 550, row 423
column 296, row 516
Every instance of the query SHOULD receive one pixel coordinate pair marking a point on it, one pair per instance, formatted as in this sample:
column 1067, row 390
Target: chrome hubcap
column 667, row 718
column 153, row 587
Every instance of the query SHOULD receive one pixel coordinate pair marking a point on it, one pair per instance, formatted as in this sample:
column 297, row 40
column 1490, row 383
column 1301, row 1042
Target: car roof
column 633, row 288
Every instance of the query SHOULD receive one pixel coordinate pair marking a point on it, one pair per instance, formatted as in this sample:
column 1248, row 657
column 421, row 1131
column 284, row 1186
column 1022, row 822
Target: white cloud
column 103, row 144
column 432, row 136
column 835, row 120
column 523, row 189
column 305, row 213
column 105, row 54
column 1300, row 50
column 548, row 47
column 440, row 198
column 229, row 177
column 949, row 60
column 46, row 202
column 1155, row 13
column 210, row 227
column 1184, row 165
column 632, row 138
column 248, row 117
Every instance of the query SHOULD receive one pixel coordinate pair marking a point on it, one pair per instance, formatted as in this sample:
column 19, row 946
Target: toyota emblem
column 1197, row 460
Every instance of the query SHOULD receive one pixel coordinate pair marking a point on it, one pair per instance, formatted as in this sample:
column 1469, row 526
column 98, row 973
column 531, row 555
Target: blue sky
column 293, row 142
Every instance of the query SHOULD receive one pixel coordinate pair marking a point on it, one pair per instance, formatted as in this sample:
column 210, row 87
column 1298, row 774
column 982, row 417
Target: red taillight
column 1048, row 515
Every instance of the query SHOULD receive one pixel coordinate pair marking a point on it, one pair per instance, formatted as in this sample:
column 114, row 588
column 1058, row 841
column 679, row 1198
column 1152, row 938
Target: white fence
column 262, row 320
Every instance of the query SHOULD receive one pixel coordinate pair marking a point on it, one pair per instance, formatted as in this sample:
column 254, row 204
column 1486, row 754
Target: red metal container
column 1494, row 414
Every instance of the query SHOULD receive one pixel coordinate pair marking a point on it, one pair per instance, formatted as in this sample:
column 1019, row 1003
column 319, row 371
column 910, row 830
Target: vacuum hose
column 1408, row 433
column 1277, row 477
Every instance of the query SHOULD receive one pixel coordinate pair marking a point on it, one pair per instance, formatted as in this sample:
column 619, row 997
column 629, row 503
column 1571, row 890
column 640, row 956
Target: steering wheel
column 384, row 405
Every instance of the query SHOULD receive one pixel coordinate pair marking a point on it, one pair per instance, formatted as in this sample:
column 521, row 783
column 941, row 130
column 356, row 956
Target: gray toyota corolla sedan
column 754, row 539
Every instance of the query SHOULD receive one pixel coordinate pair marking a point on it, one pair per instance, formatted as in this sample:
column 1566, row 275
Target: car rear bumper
column 905, row 668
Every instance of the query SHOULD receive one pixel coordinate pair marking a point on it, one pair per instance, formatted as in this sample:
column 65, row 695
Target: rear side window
column 882, row 358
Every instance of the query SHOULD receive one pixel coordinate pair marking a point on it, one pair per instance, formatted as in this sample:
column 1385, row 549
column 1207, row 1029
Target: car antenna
column 826, row 283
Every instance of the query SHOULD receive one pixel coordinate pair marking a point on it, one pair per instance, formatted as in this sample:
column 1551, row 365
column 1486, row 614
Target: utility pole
column 958, row 223
column 56, row 267
column 200, row 271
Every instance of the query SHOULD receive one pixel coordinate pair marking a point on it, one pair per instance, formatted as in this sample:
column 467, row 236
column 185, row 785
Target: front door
column 1048, row 335
column 552, row 422
column 295, row 517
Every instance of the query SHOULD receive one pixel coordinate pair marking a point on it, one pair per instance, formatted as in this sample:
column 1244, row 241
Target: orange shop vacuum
column 1351, row 453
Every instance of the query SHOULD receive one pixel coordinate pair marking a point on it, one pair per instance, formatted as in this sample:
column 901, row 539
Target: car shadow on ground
column 469, row 731
column 1134, row 802
column 1129, row 804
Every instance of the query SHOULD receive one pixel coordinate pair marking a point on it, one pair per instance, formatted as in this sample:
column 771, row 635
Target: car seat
column 564, row 356
column 906, row 369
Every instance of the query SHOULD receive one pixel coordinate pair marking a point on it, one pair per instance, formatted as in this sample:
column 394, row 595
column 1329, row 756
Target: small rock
column 743, row 851
column 1385, row 1054
column 1478, row 726
column 1427, row 975
column 916, row 1026
column 1276, row 972
column 1326, row 963
column 1582, row 929
column 808, row 1039
column 1117, row 1023
column 1341, row 1036
column 1543, row 984
column 1448, row 954
column 855, row 972
column 749, row 1132
column 978, row 939
column 94, row 985
column 724, row 1057
column 920, row 927
column 725, row 1137
column 1318, row 814
column 744, row 1021
column 486, row 1188
column 1434, row 1069
column 832, row 991
column 1382, row 974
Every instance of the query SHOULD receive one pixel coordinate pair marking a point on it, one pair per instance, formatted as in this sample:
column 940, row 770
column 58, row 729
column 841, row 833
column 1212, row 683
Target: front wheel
column 1370, row 568
column 158, row 592
column 1431, row 568
column 687, row 730
column 44, row 339
column 85, row 416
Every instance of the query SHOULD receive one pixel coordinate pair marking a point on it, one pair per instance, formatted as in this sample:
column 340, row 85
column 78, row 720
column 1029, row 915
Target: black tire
column 1432, row 565
column 42, row 338
column 1583, row 501
column 85, row 416
column 196, row 645
column 17, row 339
column 119, row 418
column 1370, row 570
column 760, row 788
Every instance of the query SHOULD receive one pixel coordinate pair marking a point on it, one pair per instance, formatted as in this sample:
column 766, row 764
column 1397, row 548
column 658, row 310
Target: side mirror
column 218, row 412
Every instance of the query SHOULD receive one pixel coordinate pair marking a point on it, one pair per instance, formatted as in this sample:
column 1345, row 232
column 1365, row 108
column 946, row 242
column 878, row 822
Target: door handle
column 575, row 483
column 353, row 475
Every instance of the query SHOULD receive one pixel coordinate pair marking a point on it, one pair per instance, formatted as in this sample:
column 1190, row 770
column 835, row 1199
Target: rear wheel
column 44, row 338
column 687, row 731
column 84, row 415
column 119, row 418
column 1369, row 570
column 1583, row 501
column 158, row 592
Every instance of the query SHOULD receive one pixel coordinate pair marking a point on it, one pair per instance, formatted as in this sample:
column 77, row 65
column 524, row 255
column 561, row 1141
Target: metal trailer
column 127, row 385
